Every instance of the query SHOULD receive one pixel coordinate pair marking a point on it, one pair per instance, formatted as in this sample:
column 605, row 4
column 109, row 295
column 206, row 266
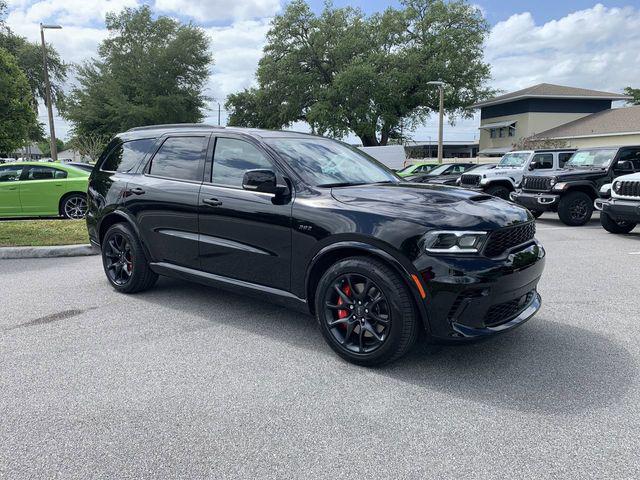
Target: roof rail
column 175, row 125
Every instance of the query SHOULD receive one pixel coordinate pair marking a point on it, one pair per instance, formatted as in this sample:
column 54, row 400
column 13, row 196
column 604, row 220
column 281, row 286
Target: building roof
column 32, row 149
column 548, row 90
column 615, row 121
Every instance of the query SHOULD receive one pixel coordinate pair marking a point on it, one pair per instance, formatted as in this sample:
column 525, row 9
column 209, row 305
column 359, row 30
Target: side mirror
column 533, row 165
column 624, row 166
column 265, row 181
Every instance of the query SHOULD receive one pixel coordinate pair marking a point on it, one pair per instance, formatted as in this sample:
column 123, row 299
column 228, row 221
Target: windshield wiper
column 341, row 184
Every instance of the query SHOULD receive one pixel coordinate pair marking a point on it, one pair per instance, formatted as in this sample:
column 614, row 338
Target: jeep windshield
column 514, row 160
column 597, row 158
column 327, row 163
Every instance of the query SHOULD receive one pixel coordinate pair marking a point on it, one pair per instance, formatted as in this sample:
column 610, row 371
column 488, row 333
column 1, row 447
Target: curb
column 48, row 252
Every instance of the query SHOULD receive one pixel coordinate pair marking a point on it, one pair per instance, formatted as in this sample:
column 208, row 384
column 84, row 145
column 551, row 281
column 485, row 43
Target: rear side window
column 233, row 158
column 563, row 157
column 632, row 156
column 10, row 173
column 45, row 173
column 180, row 158
column 125, row 157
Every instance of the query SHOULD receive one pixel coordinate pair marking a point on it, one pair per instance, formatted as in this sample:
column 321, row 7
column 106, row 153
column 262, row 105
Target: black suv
column 317, row 225
column 571, row 190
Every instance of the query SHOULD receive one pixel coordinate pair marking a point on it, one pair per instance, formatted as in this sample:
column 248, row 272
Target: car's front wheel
column 125, row 262
column 575, row 209
column 613, row 226
column 74, row 206
column 499, row 191
column 365, row 311
column 536, row 213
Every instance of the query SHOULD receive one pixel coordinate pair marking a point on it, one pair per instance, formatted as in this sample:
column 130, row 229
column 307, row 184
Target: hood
column 435, row 206
column 442, row 178
column 567, row 174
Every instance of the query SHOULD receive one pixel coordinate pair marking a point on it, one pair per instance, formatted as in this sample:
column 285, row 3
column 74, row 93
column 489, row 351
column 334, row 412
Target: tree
column 148, row 72
column 89, row 145
column 342, row 71
column 17, row 117
column 45, row 146
column 635, row 93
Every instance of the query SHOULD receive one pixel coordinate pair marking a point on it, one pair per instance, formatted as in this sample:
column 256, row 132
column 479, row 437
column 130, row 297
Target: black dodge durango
column 317, row 225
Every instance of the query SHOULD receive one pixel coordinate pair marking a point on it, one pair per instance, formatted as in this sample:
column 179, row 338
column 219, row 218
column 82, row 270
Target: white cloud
column 216, row 10
column 594, row 48
column 67, row 12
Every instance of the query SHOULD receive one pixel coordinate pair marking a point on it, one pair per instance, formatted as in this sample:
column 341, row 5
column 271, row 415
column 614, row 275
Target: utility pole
column 440, row 86
column 218, row 113
column 52, row 130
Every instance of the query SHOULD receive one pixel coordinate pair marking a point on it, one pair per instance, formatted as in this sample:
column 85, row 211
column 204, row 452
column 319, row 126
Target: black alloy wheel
column 119, row 260
column 499, row 191
column 124, row 260
column 365, row 311
column 575, row 209
column 357, row 313
column 615, row 226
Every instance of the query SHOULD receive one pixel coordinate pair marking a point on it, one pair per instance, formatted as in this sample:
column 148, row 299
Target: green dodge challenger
column 36, row 189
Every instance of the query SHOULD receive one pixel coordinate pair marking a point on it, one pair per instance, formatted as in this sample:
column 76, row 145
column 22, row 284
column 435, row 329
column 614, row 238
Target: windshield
column 407, row 169
column 323, row 162
column 591, row 158
column 514, row 159
column 439, row 170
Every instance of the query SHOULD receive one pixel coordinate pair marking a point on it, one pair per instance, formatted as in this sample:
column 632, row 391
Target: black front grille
column 502, row 240
column 503, row 312
column 470, row 180
column 629, row 188
column 542, row 184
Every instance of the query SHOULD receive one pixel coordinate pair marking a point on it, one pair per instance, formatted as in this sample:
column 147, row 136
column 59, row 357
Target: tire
column 612, row 226
column 74, row 206
column 575, row 209
column 536, row 213
column 499, row 191
column 124, row 261
column 394, row 322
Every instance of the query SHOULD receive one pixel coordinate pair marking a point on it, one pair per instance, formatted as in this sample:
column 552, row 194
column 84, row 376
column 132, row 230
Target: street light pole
column 47, row 85
column 440, row 86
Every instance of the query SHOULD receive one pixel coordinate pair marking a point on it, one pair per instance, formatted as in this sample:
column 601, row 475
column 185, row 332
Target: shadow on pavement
column 544, row 366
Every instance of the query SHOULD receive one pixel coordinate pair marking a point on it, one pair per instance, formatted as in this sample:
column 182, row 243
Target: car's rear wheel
column 499, row 191
column 124, row 261
column 74, row 206
column 615, row 226
column 365, row 311
column 575, row 209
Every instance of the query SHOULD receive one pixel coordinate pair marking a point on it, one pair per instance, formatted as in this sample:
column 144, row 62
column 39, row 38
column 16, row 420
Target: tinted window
column 234, row 157
column 563, row 157
column 45, row 173
column 126, row 156
column 10, row 173
column 179, row 158
column 632, row 156
column 544, row 160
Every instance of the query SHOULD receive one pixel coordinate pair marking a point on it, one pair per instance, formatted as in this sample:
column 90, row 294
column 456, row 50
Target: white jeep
column 507, row 175
column 620, row 213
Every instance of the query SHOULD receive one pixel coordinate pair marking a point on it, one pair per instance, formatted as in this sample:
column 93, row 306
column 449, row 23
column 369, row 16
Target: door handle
column 213, row 202
column 13, row 188
column 136, row 191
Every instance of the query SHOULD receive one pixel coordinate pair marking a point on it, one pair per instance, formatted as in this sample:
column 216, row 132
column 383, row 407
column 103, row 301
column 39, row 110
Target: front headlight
column 560, row 186
column 553, row 181
column 616, row 187
column 452, row 241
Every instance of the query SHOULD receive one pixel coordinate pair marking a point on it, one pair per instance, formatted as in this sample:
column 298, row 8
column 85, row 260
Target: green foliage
column 45, row 146
column 17, row 117
column 342, row 71
column 29, row 58
column 148, row 72
column 635, row 93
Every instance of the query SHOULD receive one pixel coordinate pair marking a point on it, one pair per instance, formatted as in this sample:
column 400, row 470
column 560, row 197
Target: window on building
column 233, row 158
column 502, row 132
column 126, row 156
column 179, row 158
column 512, row 131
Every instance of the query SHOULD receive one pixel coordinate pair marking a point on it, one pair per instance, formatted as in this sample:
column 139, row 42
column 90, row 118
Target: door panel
column 41, row 190
column 244, row 234
column 10, row 190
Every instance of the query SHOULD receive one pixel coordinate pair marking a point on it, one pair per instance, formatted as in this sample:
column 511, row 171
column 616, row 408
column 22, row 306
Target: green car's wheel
column 74, row 206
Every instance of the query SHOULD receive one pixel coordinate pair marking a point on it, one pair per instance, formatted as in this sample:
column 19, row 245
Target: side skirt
column 274, row 295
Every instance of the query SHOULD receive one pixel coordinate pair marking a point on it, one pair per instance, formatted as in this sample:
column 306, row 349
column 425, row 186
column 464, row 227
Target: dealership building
column 577, row 117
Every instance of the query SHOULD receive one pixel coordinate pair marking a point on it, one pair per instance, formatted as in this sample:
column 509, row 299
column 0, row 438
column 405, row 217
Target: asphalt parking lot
column 186, row 381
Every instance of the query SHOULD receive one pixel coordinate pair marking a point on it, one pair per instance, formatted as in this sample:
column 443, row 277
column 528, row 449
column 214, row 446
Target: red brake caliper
column 344, row 313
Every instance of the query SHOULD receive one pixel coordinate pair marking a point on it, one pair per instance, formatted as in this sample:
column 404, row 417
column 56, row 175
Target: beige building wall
column 603, row 141
column 527, row 124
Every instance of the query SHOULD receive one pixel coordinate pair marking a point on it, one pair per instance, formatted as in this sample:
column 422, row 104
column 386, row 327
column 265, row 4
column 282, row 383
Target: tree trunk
column 369, row 140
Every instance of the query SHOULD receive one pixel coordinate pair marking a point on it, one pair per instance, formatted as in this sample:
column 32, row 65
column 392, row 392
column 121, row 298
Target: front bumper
column 618, row 209
column 476, row 297
column 542, row 202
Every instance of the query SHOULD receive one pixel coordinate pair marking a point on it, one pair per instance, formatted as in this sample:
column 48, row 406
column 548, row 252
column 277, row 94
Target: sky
column 578, row 43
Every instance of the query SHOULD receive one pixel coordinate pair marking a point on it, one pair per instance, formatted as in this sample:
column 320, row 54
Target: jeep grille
column 470, row 180
column 629, row 189
column 537, row 183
